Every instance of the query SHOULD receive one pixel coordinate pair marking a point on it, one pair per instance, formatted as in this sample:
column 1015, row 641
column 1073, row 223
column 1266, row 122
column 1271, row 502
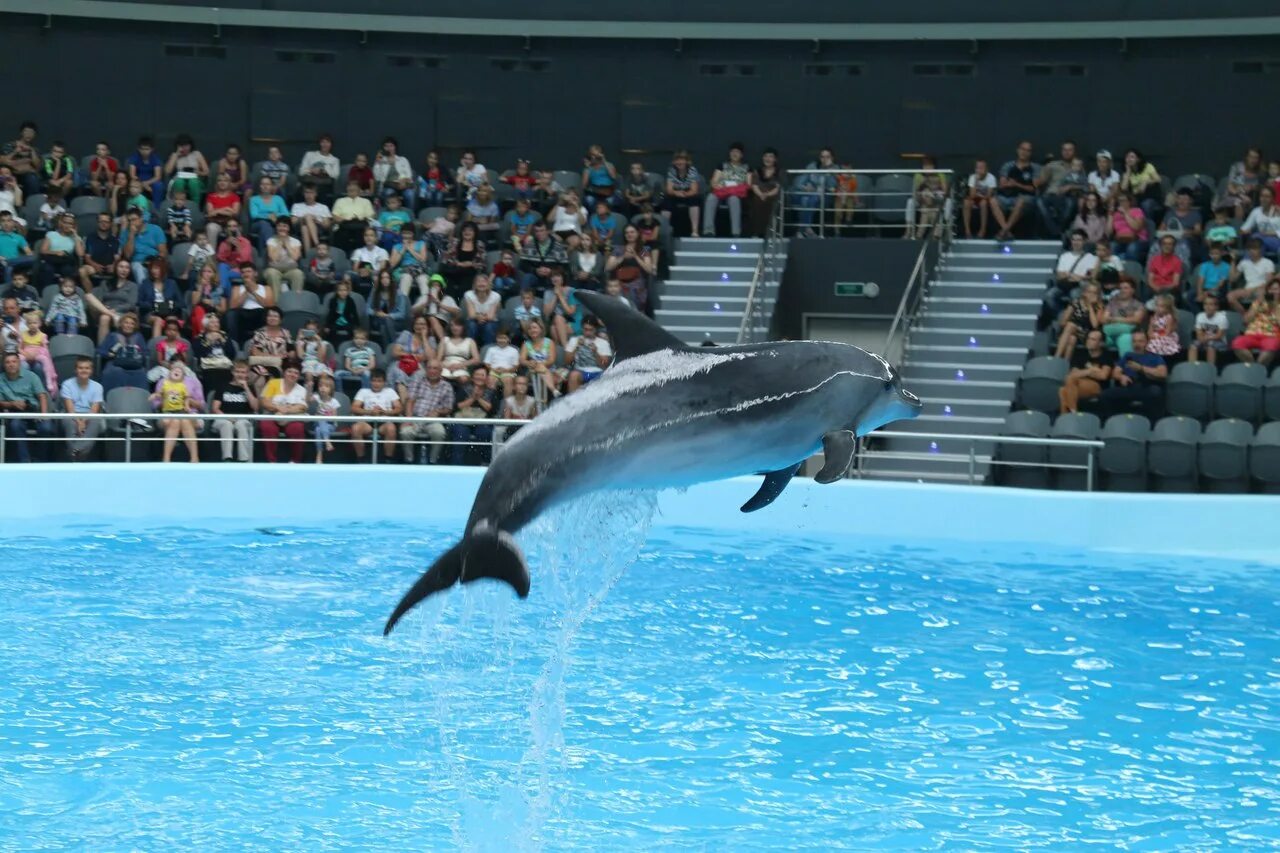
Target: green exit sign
column 865, row 289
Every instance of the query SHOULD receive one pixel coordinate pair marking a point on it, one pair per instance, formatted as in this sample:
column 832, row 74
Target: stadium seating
column 1171, row 454
column 1027, row 459
column 1079, row 425
column 1189, row 391
column 1264, row 457
column 1238, row 392
column 1223, row 455
column 1124, row 454
column 1041, row 379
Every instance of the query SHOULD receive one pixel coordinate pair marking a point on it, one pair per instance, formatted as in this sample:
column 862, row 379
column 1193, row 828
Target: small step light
column 933, row 447
column 960, row 375
column 973, row 342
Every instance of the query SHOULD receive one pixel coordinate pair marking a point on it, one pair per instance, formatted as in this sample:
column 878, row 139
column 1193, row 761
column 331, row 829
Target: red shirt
column 110, row 165
column 520, row 182
column 1164, row 271
column 363, row 176
column 235, row 252
column 221, row 201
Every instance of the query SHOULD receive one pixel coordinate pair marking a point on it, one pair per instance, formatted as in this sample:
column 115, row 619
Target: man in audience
column 428, row 396
column 1138, row 381
column 81, row 395
column 140, row 242
column 22, row 391
column 15, row 253
column 352, row 214
column 542, row 255
column 312, row 217
column 1059, row 198
column 589, row 355
column 101, row 251
column 1251, row 275
column 1015, row 191
column 477, row 400
column 23, row 159
column 145, row 166
column 1075, row 268
column 235, row 398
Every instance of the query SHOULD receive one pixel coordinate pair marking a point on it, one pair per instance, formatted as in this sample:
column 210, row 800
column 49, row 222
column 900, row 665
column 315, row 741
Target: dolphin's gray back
column 681, row 415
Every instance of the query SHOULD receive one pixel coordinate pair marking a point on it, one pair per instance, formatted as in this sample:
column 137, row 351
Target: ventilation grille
column 309, row 57
column 196, row 51
column 520, row 65
column 1256, row 66
column 404, row 60
column 944, row 69
column 833, row 69
column 1054, row 69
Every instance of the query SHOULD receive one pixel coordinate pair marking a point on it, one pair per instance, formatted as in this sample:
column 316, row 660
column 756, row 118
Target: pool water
column 229, row 688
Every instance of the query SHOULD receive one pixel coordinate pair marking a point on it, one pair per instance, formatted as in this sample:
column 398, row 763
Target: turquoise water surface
column 226, row 687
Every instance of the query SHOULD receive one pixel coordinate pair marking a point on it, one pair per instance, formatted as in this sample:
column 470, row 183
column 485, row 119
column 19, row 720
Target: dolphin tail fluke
column 484, row 554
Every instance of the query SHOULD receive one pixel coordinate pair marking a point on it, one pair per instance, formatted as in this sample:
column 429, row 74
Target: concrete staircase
column 705, row 293
column 965, row 352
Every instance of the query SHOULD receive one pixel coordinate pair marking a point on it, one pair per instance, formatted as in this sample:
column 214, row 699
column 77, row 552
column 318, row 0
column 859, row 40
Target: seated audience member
column 1137, row 380
column 1062, row 181
column 321, row 274
column 1185, row 224
column 275, row 168
column 22, row 391
column 562, row 312
column 284, row 396
column 526, row 309
column 1261, row 328
column 1210, row 332
column 433, row 183
column 541, row 255
column 343, row 317
column 599, row 177
column 1075, row 267
column 638, row 189
column 358, row 361
column 1164, row 268
column 248, row 305
column 27, row 297
column 1162, row 328
column 159, row 298
column 391, row 220
column 1141, row 180
column 170, row 344
column 518, row 406
column 503, row 360
column 123, row 355
column 410, row 352
column 482, row 306
column 314, row 353
column 102, row 170
column 53, row 208
column 233, row 165
column 325, row 403
column 1252, row 274
column 35, row 350
column 61, row 251
column 684, row 190
column 1091, row 367
column 81, row 395
column 393, row 174
column 319, row 169
column 428, row 396
column 816, row 192
column 1124, row 315
column 114, row 298
column 981, row 186
column 388, row 309
column 410, row 260
column 270, row 346
column 1109, row 271
column 212, row 352
column 1222, row 230
column 437, row 306
column 731, row 183
column 505, row 274
column 266, row 208
column 207, row 297
column 1213, row 275
column 1093, row 219
column 284, row 256
column 361, row 175
column 1083, row 315
column 312, row 217
column 588, row 353
column 458, row 353
column 66, row 310
column 484, row 212
column 538, row 356
column 15, row 253
column 366, row 263
column 373, row 401
column 145, row 166
column 221, row 207
column 1015, row 191
column 476, row 400
column 352, row 216
column 633, row 264
column 463, row 259
column 232, row 255
column 140, row 242
column 1128, row 229
column 586, row 265
column 178, row 219
column 1104, row 180
column 930, row 199
column 519, row 222
column 441, row 230
column 172, row 397
column 1263, row 222
column 603, row 226
column 470, row 175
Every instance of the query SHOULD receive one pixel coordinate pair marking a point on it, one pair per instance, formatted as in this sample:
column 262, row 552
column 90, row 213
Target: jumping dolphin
column 669, row 415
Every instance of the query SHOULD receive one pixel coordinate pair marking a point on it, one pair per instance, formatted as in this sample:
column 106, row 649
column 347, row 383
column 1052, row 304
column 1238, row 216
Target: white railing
column 884, row 205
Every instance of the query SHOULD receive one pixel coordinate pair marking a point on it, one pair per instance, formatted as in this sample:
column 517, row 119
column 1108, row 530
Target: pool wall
column 1240, row 527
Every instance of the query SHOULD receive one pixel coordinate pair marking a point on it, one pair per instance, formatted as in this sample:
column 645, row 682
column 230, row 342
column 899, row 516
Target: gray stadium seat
column 1186, row 327
column 1189, row 391
column 568, row 180
column 46, row 298
column 65, row 349
column 1028, row 473
column 1224, row 455
column 1124, row 455
column 1082, row 425
column 1193, row 181
column 298, row 308
column 430, row 214
column 889, row 202
column 1235, row 323
column 1238, row 391
column 178, row 261
column 1171, row 453
column 86, row 224
column 84, row 204
column 1271, row 397
column 1264, row 457
column 1041, row 378
column 125, row 401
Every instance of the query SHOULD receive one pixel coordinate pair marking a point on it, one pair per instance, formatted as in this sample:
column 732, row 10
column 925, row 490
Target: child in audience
column 178, row 218
column 523, row 181
column 432, row 183
column 392, row 218
column 141, row 200
column 362, row 175
column 981, row 186
column 1210, row 331
column 483, row 210
column 199, row 255
column 314, row 352
column 66, row 311
column 503, row 360
column 649, row 225
column 172, row 396
column 52, row 209
column 35, row 348
column 1222, row 230
column 441, row 229
column 275, row 168
column 504, row 274
column 1212, row 275
column 321, row 269
column 326, row 405
column 1162, row 328
column 358, row 360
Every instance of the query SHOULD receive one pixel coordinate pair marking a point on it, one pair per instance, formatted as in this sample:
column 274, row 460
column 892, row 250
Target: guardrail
column 1089, row 466
column 130, row 428
column 766, row 275
column 885, row 203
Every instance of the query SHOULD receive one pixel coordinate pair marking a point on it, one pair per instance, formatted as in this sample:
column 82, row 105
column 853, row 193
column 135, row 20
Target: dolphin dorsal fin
column 630, row 332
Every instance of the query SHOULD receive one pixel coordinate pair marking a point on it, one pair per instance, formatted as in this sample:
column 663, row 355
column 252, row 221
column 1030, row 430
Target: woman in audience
column 123, row 356
column 567, row 217
column 1185, row 224
column 266, row 209
column 1124, row 314
column 1090, row 368
column 112, row 300
column 1082, row 316
column 731, row 183
column 766, row 186
column 214, row 353
column 118, row 200
column 462, row 260
column 284, row 396
column 1141, row 180
column 632, row 265
column 250, row 300
column 457, row 353
column 1243, row 182
column 233, row 166
column 158, row 299
column 411, row 350
column 1092, row 219
column 388, row 309
column 221, row 207
column 562, row 311
column 482, row 307
column 1264, row 221
column 343, row 316
column 187, row 168
column 586, row 265
column 1128, row 229
column 599, row 178
column 1261, row 338
column 683, row 190
column 207, row 298
column 268, row 347
column 538, row 356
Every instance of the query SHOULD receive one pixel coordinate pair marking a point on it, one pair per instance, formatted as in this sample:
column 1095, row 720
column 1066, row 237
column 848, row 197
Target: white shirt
column 317, row 210
column 376, row 256
column 377, row 401
column 1256, row 274
column 986, row 186
column 314, row 158
column 474, row 306
column 476, row 176
column 563, row 220
column 382, row 168
column 290, row 243
column 1104, row 185
column 1263, row 222
column 1079, row 264
column 502, row 358
column 290, row 398
column 1217, row 321
column 602, row 347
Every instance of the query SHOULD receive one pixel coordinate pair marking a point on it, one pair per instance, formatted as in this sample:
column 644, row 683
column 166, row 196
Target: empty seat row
column 1176, row 454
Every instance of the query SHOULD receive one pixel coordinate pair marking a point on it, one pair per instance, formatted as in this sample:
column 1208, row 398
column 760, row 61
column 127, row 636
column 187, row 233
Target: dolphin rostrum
column 669, row 415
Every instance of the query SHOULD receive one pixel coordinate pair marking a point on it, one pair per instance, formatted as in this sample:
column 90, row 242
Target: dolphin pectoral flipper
column 774, row 483
column 837, row 448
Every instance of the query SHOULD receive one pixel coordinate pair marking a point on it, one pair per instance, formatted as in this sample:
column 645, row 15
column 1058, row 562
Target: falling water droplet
column 733, row 247
column 1008, row 250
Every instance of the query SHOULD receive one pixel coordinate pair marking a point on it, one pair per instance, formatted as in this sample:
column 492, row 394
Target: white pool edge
column 1237, row 527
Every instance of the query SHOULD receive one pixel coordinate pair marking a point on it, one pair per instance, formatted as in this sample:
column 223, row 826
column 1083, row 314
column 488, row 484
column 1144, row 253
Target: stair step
column 957, row 424
column 712, row 289
column 955, row 389
column 668, row 317
column 985, row 355
column 738, row 301
column 935, row 444
column 923, row 476
column 970, row 254
column 724, row 274
column 947, row 302
column 981, row 322
column 998, row 289
column 975, row 339
column 917, row 371
column 950, row 409
column 961, row 243
column 1028, row 275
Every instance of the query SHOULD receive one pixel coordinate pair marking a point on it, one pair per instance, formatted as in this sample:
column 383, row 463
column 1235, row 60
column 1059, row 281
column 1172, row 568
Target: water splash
column 504, row 771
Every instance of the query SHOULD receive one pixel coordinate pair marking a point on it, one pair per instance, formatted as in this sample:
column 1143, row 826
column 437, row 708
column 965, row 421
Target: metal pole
column 4, row 430
column 822, row 210
column 374, row 457
column 128, row 443
column 1088, row 473
column 973, row 461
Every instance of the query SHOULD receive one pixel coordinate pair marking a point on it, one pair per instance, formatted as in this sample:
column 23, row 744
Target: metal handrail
column 765, row 267
column 1091, row 446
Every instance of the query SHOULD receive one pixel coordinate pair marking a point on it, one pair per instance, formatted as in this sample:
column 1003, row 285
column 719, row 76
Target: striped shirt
column 429, row 398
